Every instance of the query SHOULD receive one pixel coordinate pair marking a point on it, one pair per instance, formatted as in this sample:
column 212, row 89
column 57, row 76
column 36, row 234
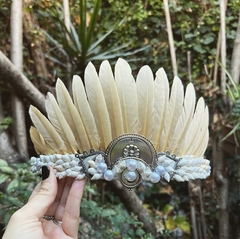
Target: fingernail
column 45, row 172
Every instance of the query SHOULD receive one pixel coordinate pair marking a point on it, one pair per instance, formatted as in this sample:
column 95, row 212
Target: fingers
column 43, row 195
column 71, row 214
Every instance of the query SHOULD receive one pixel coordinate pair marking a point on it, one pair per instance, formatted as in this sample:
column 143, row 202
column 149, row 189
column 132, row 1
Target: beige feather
column 201, row 141
column 72, row 116
column 173, row 112
column 145, row 93
column 127, row 91
column 98, row 105
column 193, row 130
column 184, row 120
column 83, row 107
column 161, row 97
column 46, row 129
column 59, row 122
column 40, row 145
column 112, row 99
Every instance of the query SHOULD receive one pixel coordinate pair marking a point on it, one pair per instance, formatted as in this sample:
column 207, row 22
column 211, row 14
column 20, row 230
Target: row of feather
column 113, row 104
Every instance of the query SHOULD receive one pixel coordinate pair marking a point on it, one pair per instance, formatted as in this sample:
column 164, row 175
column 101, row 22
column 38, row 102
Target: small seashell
column 59, row 168
column 178, row 178
column 80, row 176
column 99, row 159
column 59, row 162
column 96, row 176
column 161, row 159
column 66, row 158
column 73, row 163
column 141, row 167
column 77, row 168
column 92, row 171
column 92, row 164
column 166, row 176
column 73, row 174
column 66, row 165
column 51, row 164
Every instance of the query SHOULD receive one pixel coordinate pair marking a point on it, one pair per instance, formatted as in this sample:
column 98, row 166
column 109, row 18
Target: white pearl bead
column 130, row 176
column 160, row 170
column 108, row 175
column 102, row 167
column 154, row 177
column 132, row 164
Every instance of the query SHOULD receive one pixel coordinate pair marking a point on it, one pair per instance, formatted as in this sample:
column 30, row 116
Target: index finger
column 70, row 220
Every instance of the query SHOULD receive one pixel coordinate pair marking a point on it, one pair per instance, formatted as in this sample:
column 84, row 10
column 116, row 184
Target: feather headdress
column 119, row 127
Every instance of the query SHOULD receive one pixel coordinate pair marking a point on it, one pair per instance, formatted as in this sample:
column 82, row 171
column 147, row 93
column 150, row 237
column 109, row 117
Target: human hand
column 52, row 197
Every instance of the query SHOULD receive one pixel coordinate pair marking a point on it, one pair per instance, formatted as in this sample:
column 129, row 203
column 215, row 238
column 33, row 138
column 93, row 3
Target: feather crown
column 139, row 129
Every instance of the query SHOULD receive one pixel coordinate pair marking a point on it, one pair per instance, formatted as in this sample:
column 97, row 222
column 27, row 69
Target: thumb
column 43, row 195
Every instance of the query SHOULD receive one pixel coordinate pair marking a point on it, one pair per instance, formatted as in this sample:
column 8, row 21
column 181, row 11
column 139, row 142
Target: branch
column 133, row 204
column 20, row 83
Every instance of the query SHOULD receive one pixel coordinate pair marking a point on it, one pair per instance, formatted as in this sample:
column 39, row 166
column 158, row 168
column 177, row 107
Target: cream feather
column 40, row 145
column 193, row 130
column 145, row 93
column 112, row 99
column 161, row 97
column 173, row 112
column 201, row 141
column 185, row 119
column 127, row 91
column 83, row 107
column 98, row 105
column 72, row 116
column 58, row 120
column 46, row 129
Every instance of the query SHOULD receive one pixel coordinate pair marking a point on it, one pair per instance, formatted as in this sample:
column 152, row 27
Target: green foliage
column 6, row 122
column 18, row 183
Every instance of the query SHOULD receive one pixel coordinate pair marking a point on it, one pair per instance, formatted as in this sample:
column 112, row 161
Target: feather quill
column 145, row 93
column 98, row 105
column 83, row 107
column 127, row 91
column 161, row 97
column 173, row 112
column 46, row 129
column 72, row 116
column 112, row 99
column 58, row 120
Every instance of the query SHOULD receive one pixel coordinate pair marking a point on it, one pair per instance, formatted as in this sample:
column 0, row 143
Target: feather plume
column 46, row 129
column 83, row 107
column 184, row 120
column 193, row 130
column 201, row 142
column 72, row 116
column 161, row 97
column 127, row 91
column 98, row 105
column 112, row 99
column 40, row 145
column 145, row 93
column 58, row 120
column 173, row 112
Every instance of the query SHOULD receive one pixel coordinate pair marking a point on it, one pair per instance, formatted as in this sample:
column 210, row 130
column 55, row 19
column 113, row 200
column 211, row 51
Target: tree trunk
column 20, row 134
column 170, row 38
column 235, row 62
column 20, row 83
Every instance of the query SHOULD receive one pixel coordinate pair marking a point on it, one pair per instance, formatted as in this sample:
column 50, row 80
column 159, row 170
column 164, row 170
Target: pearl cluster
column 167, row 167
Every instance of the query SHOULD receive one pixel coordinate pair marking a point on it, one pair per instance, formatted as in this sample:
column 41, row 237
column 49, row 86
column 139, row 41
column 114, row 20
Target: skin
column 61, row 198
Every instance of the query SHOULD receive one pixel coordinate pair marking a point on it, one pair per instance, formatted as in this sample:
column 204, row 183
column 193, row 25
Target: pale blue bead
column 102, row 167
column 154, row 177
column 130, row 176
column 132, row 164
column 160, row 170
column 108, row 175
